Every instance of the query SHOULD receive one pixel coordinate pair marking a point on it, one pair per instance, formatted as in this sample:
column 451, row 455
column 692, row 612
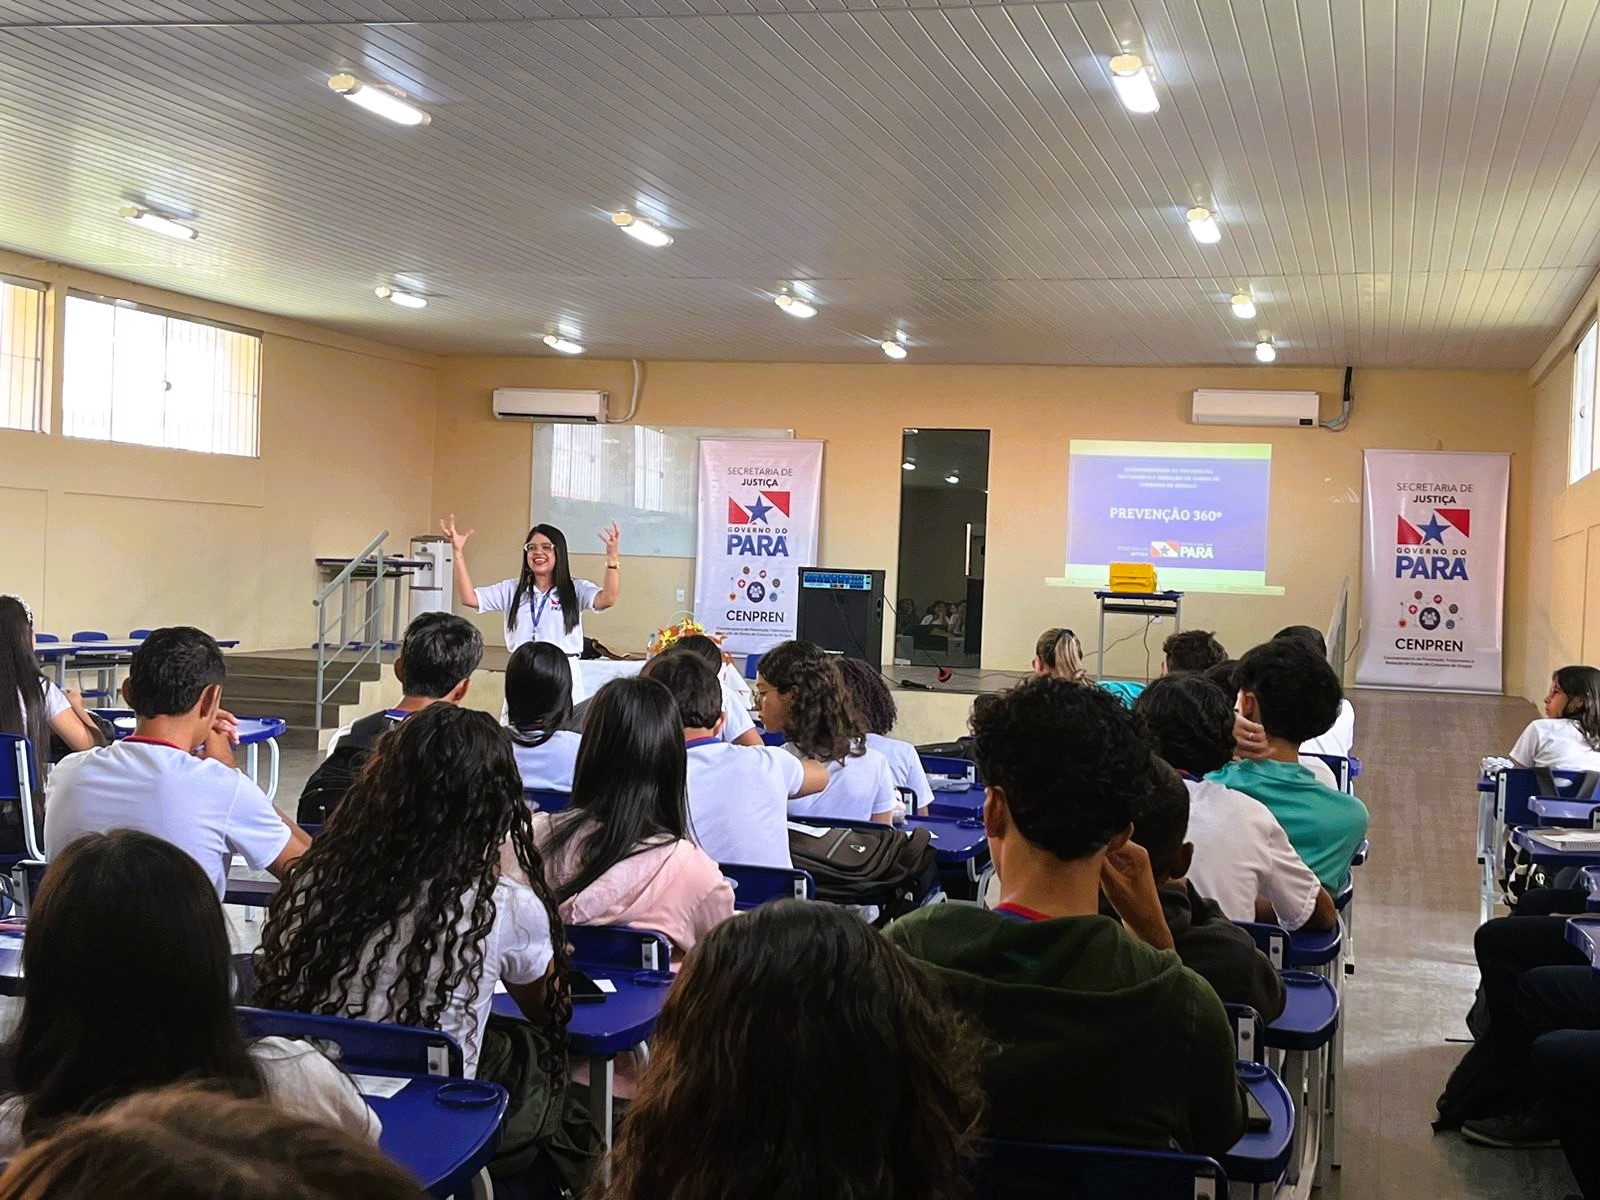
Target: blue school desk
column 58, row 655
column 1261, row 1157
column 1563, row 814
column 965, row 803
column 1583, row 933
column 444, row 1131
column 1558, row 847
column 253, row 733
column 961, row 849
column 1589, row 881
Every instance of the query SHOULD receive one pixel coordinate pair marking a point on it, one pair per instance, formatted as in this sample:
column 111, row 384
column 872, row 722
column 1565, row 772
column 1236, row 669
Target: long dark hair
column 873, row 699
column 561, row 577
column 628, row 786
column 21, row 692
column 137, row 913
column 1582, row 688
column 538, row 692
column 743, row 1099
column 404, row 873
column 823, row 722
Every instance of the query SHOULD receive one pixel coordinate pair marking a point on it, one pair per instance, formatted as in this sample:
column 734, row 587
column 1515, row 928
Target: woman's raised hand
column 457, row 538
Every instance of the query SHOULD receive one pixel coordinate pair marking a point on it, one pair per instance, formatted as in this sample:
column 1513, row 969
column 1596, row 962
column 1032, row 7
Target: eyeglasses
column 545, row 546
column 761, row 691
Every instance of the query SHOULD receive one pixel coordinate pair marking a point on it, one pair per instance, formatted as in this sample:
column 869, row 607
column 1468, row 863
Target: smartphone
column 586, row 991
column 1256, row 1119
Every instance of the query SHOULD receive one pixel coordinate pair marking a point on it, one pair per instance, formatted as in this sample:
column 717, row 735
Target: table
column 56, row 654
column 1260, row 1157
column 960, row 847
column 444, row 1131
column 1558, row 847
column 395, row 568
column 1135, row 604
column 254, row 889
column 967, row 802
column 1571, row 814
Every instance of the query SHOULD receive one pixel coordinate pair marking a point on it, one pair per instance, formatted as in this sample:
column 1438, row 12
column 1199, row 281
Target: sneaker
column 1517, row 1131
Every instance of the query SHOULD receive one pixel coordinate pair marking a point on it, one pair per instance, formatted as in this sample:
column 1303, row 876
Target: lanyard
column 538, row 613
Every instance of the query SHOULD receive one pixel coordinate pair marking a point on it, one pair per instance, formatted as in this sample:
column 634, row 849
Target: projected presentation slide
column 1197, row 511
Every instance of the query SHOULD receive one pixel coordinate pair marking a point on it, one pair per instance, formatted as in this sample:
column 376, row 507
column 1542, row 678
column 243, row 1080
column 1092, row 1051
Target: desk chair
column 105, row 668
column 21, row 863
column 751, row 664
column 138, row 635
column 46, row 637
column 754, row 886
column 1249, row 1030
column 620, row 946
column 1340, row 767
column 358, row 1045
column 1510, row 804
column 546, row 800
column 1036, row 1170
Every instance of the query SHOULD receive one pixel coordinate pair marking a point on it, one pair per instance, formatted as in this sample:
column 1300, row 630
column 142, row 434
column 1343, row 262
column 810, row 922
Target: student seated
column 190, row 1142
column 1058, row 654
column 802, row 695
column 738, row 795
column 876, row 705
column 538, row 707
column 622, row 854
column 738, row 726
column 423, row 893
column 1140, row 1045
column 1207, row 941
column 1341, row 735
column 175, row 777
column 1290, row 690
column 31, row 705
column 438, row 655
column 767, row 1078
column 1191, row 650
column 1567, row 737
column 129, row 974
column 1242, row 857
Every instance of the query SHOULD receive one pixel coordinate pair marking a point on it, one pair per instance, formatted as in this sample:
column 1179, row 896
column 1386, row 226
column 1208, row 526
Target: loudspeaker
column 842, row 611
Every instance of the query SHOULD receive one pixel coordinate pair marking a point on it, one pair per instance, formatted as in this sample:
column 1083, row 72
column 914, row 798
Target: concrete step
column 301, row 737
column 288, row 687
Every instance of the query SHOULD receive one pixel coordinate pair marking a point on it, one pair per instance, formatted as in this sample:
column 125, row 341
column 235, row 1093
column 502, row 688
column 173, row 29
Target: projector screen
column 1197, row 511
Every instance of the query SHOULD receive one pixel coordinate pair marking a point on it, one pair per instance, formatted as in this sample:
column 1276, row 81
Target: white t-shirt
column 1339, row 739
column 1320, row 769
column 1241, row 852
column 548, row 766
column 55, row 701
column 208, row 810
column 905, row 764
column 860, row 787
column 736, row 713
column 300, row 1082
column 1554, row 742
column 540, row 619
column 739, row 801
column 517, row 950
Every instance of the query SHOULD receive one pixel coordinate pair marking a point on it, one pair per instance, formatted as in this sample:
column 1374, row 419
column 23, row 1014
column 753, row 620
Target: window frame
column 41, row 408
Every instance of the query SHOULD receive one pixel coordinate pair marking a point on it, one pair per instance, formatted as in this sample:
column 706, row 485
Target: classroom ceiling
column 1398, row 182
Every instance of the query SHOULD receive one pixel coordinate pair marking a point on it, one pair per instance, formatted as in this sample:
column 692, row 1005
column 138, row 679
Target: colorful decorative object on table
column 684, row 625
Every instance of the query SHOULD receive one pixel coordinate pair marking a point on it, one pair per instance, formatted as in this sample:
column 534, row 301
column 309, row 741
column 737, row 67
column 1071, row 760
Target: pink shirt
column 673, row 887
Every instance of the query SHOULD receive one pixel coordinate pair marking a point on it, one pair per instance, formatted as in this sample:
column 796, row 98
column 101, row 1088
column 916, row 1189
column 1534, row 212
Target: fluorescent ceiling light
column 403, row 299
column 565, row 345
column 380, row 101
column 1266, row 352
column 908, row 465
column 1244, row 306
column 894, row 350
column 1131, row 79
column 794, row 306
column 156, row 223
column 641, row 229
column 1204, row 226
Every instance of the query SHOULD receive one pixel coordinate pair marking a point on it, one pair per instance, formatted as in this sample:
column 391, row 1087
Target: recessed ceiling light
column 380, row 100
column 156, row 223
column 908, row 465
column 893, row 349
column 1244, row 306
column 1266, row 352
column 402, row 298
column 565, row 345
column 1204, row 226
column 1131, row 79
column 794, row 306
column 641, row 229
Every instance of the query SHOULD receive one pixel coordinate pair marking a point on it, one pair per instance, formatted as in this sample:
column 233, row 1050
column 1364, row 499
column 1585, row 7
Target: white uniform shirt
column 1339, row 739
column 208, row 810
column 1554, row 742
column 739, row 801
column 517, row 950
column 540, row 617
column 736, row 713
column 1241, row 852
column 549, row 765
column 905, row 764
column 861, row 786
column 1320, row 769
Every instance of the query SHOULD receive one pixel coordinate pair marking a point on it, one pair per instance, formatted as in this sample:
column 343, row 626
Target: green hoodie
column 1102, row 1039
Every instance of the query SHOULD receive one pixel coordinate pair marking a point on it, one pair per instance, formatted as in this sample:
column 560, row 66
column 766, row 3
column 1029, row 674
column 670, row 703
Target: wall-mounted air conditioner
column 1218, row 406
column 549, row 405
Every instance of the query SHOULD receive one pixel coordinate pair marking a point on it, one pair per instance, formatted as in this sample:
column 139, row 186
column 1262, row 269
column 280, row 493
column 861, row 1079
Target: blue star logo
column 759, row 510
column 1433, row 531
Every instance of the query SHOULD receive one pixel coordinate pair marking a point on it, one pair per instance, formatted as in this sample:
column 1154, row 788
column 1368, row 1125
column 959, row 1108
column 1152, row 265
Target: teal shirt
column 1325, row 826
column 1123, row 690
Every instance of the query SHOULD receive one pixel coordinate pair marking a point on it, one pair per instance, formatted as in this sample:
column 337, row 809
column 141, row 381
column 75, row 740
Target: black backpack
column 864, row 865
column 334, row 775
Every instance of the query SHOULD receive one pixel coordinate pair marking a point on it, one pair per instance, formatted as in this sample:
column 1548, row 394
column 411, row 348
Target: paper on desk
column 605, row 985
column 380, row 1086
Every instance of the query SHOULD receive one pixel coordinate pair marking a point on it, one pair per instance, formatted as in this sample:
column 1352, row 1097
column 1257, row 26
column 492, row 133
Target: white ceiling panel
column 1400, row 182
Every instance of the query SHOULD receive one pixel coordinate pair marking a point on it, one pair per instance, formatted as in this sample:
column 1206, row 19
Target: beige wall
column 481, row 471
column 106, row 536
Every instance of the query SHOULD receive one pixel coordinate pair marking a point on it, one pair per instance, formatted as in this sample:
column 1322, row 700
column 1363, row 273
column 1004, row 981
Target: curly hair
column 1190, row 721
column 1297, row 694
column 823, row 722
column 403, row 876
column 1060, row 655
column 1581, row 686
column 873, row 699
column 1073, row 762
column 744, row 1098
column 1193, row 650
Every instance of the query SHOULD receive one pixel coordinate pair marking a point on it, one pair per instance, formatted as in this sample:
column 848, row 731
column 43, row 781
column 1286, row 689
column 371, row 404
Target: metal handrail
column 370, row 640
